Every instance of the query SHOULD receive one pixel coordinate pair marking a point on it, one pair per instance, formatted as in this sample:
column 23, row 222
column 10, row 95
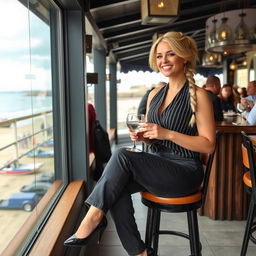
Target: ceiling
column 118, row 26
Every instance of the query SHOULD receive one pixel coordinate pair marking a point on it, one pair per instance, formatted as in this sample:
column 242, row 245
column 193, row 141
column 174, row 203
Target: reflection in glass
column 26, row 114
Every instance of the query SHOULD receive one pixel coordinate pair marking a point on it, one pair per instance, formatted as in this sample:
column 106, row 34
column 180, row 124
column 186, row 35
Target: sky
column 24, row 49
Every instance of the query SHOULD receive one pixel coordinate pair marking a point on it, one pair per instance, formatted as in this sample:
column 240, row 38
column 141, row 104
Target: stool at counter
column 249, row 178
column 189, row 204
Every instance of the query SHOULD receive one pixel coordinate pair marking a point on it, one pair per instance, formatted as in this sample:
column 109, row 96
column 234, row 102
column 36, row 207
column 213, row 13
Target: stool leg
column 195, row 247
column 149, row 227
column 249, row 222
column 156, row 225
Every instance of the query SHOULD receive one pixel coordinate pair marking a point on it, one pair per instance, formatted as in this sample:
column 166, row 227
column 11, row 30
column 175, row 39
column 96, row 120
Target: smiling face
column 168, row 63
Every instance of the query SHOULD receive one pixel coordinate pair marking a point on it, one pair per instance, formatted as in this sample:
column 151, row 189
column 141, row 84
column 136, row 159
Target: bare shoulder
column 201, row 94
column 155, row 91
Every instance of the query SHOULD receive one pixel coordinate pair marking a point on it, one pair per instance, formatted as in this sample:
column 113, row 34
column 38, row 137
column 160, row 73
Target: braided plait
column 192, row 91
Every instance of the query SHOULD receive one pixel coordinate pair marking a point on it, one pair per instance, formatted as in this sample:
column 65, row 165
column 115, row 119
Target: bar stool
column 189, row 204
column 249, row 178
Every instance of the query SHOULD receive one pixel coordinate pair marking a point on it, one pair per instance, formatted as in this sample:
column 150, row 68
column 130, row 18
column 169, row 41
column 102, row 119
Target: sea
column 15, row 104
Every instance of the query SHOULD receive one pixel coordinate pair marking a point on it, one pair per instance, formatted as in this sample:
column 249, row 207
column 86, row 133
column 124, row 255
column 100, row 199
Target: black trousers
column 128, row 172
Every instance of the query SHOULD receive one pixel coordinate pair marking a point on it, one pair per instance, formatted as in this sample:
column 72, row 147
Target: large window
column 31, row 121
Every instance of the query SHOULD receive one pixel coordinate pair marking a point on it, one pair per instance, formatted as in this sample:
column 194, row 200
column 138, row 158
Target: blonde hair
column 186, row 48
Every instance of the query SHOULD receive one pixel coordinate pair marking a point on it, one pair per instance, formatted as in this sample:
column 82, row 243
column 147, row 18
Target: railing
column 45, row 130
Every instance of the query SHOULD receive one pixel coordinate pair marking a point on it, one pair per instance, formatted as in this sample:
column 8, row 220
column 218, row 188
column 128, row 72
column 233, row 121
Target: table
column 226, row 198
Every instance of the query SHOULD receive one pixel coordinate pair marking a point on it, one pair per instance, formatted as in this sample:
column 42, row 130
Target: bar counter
column 227, row 198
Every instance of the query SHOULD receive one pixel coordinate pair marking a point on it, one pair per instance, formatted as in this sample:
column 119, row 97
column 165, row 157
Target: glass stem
column 134, row 144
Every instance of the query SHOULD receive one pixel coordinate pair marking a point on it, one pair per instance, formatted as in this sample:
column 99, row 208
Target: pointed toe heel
column 150, row 251
column 74, row 241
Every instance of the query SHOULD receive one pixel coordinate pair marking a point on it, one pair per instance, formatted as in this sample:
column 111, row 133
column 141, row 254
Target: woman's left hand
column 154, row 131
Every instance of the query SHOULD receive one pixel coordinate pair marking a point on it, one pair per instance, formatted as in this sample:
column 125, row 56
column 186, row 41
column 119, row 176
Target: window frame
column 23, row 240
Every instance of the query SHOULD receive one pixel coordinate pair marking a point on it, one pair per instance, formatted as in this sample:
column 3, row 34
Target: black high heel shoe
column 74, row 241
column 150, row 251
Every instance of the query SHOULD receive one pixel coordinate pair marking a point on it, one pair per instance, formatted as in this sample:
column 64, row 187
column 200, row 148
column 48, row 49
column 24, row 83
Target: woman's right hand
column 136, row 136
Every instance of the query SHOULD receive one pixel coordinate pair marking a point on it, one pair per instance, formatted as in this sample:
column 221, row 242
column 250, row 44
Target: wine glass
column 134, row 121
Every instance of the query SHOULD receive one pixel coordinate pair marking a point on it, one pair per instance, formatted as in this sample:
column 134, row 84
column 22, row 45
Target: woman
column 227, row 98
column 180, row 124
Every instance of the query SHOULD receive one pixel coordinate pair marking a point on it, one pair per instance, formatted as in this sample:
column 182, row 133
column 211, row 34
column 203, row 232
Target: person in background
column 180, row 124
column 247, row 103
column 242, row 92
column 236, row 94
column 212, row 86
column 227, row 98
column 251, row 118
column 143, row 102
column 92, row 118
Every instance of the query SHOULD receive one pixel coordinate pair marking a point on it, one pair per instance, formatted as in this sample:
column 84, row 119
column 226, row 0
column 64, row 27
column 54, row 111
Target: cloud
column 24, row 48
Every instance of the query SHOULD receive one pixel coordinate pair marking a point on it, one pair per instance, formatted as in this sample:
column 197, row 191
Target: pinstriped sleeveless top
column 176, row 116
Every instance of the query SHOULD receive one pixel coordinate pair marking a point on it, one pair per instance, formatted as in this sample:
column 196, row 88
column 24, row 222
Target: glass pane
column 27, row 159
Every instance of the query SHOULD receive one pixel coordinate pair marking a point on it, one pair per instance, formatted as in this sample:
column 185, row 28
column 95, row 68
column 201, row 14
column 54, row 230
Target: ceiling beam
column 126, row 23
column 155, row 29
column 103, row 4
column 96, row 29
column 128, row 46
column 134, row 56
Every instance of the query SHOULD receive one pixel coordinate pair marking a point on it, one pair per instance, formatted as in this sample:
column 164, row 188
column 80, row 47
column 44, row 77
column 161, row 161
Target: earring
column 185, row 68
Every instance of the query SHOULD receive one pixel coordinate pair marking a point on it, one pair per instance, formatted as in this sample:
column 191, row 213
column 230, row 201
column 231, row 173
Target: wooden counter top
column 235, row 124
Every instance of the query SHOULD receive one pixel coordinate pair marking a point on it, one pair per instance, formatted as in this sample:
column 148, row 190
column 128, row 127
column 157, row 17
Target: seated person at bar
column 227, row 98
column 180, row 124
column 213, row 88
column 251, row 118
column 247, row 103
column 242, row 92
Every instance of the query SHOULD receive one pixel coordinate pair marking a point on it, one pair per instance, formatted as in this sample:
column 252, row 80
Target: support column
column 228, row 74
column 99, row 57
column 225, row 71
column 113, row 96
column 75, row 76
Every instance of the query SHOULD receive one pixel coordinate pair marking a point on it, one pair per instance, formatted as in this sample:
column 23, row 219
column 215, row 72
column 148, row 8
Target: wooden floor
column 218, row 238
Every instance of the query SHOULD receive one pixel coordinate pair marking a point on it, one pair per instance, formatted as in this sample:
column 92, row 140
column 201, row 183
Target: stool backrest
column 248, row 156
column 207, row 160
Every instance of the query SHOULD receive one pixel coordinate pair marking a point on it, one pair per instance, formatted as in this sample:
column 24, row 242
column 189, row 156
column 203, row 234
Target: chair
column 249, row 178
column 189, row 204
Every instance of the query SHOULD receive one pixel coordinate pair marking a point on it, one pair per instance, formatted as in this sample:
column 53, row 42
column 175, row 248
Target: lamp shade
column 155, row 12
column 234, row 33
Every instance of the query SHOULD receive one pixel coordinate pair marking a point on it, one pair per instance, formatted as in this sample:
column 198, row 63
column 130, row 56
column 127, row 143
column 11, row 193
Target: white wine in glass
column 134, row 121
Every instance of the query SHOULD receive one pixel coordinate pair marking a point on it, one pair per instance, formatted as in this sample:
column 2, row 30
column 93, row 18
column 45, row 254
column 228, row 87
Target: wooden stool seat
column 247, row 179
column 173, row 200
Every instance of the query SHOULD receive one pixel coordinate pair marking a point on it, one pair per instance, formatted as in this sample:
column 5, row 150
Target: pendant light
column 233, row 65
column 212, row 35
column 242, row 32
column 224, row 32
